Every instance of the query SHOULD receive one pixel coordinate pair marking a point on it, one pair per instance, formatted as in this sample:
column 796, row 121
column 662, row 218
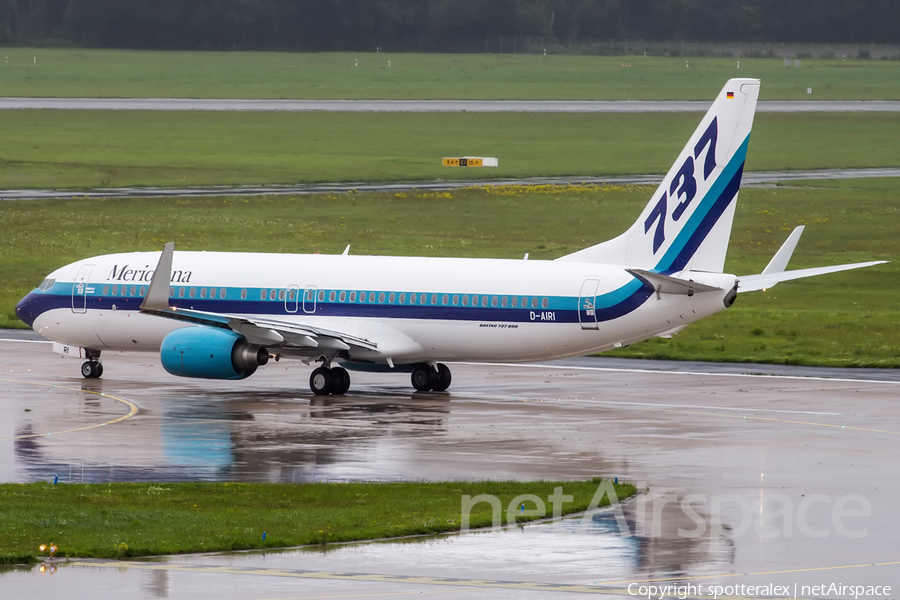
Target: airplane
column 222, row 315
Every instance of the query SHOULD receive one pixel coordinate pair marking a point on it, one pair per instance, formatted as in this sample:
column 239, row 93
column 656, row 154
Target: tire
column 99, row 371
column 321, row 382
column 87, row 370
column 424, row 378
column 443, row 378
column 342, row 381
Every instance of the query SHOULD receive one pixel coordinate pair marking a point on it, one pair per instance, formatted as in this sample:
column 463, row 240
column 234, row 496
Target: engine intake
column 210, row 353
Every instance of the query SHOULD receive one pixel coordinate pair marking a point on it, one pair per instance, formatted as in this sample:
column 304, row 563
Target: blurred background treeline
column 441, row 25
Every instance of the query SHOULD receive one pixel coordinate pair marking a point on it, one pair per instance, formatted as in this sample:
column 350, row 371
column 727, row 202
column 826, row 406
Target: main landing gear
column 325, row 381
column 426, row 377
column 93, row 368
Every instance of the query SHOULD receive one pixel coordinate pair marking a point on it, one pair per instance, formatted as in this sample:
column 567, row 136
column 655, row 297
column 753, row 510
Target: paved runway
column 483, row 106
column 749, row 178
column 771, row 458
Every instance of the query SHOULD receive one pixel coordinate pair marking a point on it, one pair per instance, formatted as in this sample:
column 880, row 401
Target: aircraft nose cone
column 24, row 310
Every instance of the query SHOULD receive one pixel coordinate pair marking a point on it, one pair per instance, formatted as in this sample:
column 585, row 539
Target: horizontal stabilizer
column 763, row 281
column 666, row 284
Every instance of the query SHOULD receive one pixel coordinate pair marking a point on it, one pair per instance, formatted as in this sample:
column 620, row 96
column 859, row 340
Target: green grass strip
column 129, row 73
column 89, row 149
column 142, row 519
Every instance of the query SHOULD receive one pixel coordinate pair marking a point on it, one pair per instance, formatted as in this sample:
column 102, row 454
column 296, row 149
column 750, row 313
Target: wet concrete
column 483, row 106
column 749, row 178
column 739, row 447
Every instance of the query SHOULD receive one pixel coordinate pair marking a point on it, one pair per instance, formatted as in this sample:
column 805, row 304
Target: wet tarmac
column 749, row 178
column 482, row 106
column 779, row 470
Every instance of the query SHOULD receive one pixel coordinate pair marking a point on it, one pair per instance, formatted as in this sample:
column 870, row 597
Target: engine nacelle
column 210, row 353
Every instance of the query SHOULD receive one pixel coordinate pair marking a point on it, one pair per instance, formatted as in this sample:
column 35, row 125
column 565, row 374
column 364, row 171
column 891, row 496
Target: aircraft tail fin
column 687, row 223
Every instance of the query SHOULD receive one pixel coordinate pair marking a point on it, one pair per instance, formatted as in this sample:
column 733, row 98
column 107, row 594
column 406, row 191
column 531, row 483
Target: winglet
column 157, row 297
column 779, row 262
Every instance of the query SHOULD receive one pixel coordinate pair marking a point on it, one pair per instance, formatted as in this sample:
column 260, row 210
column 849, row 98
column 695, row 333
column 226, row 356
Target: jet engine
column 210, row 353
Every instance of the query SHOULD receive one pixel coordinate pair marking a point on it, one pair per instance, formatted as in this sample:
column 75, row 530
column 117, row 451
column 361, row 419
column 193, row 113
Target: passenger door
column 587, row 304
column 80, row 289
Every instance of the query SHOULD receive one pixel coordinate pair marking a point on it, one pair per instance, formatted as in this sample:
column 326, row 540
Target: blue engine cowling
column 210, row 353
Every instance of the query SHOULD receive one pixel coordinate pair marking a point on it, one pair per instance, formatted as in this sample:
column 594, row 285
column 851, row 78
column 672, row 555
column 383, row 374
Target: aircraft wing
column 775, row 271
column 261, row 331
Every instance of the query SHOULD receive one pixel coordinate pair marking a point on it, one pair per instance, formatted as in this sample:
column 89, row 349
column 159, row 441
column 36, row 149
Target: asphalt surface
column 484, row 106
column 742, row 447
column 749, row 178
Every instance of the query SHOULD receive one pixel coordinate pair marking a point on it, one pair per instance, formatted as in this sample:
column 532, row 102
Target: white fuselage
column 413, row 309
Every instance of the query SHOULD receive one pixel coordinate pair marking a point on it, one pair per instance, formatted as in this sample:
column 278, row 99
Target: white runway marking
column 694, row 373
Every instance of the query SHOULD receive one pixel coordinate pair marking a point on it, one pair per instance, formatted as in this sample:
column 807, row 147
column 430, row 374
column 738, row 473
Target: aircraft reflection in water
column 228, row 437
column 598, row 545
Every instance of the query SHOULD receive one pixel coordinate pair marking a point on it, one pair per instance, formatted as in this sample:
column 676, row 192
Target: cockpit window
column 46, row 284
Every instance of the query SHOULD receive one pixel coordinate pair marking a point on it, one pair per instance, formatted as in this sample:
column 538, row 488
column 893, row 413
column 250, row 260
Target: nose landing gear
column 93, row 368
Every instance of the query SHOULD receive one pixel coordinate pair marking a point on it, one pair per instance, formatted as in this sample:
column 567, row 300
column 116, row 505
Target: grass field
column 141, row 519
column 121, row 73
column 85, row 149
column 849, row 319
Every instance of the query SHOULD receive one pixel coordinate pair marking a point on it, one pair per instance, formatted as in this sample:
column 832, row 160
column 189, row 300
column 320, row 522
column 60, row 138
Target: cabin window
column 391, row 298
column 402, row 298
column 243, row 294
column 465, row 300
column 281, row 294
column 203, row 292
column 171, row 292
column 262, row 294
column 484, row 300
column 143, row 290
column 412, row 298
column 292, row 294
column 494, row 301
column 134, row 290
column 534, row 302
column 332, row 295
column 181, row 292
column 352, row 296
column 222, row 293
column 503, row 301
column 515, row 301
column 343, row 296
column 322, row 296
column 105, row 290
column 446, row 299
column 545, row 303
column 381, row 298
column 525, row 302
column 115, row 290
column 191, row 292
column 272, row 294
column 372, row 297
column 434, row 298
column 212, row 292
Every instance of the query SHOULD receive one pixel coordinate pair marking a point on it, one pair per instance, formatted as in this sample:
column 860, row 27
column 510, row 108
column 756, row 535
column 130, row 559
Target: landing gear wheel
column 424, row 378
column 443, row 378
column 342, row 381
column 321, row 382
column 91, row 369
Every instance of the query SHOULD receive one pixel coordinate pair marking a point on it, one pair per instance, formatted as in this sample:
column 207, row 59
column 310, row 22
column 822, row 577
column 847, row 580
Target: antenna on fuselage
column 346, row 251
column 526, row 256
